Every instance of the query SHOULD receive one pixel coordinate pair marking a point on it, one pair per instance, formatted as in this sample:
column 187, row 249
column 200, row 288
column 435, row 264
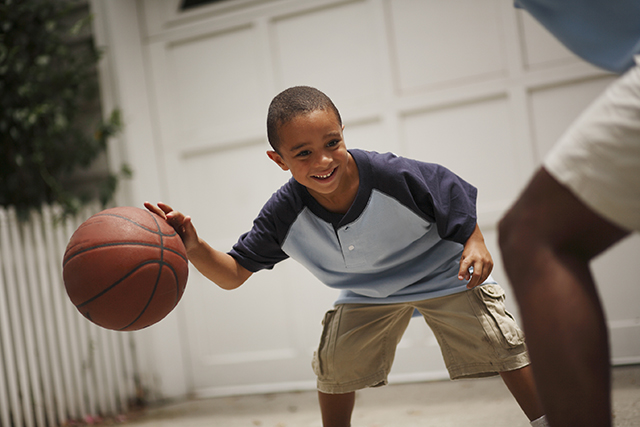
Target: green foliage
column 48, row 82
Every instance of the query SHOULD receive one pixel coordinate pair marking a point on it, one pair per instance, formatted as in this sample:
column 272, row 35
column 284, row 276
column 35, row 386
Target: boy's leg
column 356, row 350
column 478, row 338
column 336, row 409
column 522, row 386
column 548, row 239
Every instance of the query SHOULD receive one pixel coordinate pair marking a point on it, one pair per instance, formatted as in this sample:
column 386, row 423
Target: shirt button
column 351, row 247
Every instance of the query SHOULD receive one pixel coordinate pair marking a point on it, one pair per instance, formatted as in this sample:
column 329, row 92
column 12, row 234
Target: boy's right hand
column 219, row 267
column 180, row 222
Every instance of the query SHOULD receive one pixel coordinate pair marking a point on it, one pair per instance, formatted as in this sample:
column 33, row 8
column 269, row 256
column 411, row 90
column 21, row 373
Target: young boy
column 397, row 236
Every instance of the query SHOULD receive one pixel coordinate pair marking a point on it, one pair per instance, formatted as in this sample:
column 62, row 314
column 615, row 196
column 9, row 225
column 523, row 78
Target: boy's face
column 313, row 149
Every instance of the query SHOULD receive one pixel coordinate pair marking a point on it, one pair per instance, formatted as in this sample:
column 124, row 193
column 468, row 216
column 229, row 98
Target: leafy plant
column 50, row 122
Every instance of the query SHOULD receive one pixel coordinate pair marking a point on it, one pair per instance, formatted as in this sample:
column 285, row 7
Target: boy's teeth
column 325, row 176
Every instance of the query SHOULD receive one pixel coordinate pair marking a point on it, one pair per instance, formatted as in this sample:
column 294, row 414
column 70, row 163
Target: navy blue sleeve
column 431, row 190
column 260, row 248
column 453, row 202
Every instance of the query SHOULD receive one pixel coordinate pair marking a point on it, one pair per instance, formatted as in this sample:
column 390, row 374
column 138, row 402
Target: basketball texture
column 125, row 268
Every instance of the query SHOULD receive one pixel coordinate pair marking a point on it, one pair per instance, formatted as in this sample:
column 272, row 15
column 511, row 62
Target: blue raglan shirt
column 603, row 32
column 400, row 241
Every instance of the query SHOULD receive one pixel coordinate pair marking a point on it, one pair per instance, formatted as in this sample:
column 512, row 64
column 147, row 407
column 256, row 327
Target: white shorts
column 598, row 157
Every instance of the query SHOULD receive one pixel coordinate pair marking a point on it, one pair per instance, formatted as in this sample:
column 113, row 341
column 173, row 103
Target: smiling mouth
column 325, row 176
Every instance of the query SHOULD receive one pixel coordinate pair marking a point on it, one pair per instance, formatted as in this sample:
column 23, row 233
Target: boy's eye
column 303, row 153
column 333, row 143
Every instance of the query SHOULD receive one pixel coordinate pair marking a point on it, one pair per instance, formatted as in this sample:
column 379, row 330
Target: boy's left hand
column 477, row 257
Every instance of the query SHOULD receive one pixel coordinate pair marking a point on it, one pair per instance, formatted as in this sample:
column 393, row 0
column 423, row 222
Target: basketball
column 125, row 268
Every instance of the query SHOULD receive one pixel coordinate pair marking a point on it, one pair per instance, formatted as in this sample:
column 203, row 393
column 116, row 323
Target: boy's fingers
column 156, row 210
column 463, row 273
column 165, row 207
column 180, row 222
column 477, row 277
column 183, row 225
column 479, row 274
column 187, row 223
column 175, row 218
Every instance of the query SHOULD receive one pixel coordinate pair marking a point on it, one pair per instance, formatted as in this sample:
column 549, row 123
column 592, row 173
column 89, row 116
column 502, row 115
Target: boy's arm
column 475, row 254
column 219, row 267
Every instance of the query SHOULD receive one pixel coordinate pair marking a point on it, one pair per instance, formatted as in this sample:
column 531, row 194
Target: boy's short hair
column 291, row 103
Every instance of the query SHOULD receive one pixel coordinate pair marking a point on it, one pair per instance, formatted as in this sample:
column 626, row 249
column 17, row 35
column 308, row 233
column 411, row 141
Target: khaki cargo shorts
column 477, row 337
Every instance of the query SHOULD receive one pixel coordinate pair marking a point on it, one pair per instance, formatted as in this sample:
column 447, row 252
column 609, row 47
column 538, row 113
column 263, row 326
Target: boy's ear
column 273, row 155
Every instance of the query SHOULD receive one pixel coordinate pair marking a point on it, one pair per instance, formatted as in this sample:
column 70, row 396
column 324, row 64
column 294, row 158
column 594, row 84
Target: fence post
column 55, row 365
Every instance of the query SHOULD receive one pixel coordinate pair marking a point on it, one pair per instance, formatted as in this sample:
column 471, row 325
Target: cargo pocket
column 493, row 297
column 320, row 355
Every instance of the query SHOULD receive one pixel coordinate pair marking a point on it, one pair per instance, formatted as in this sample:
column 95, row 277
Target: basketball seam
column 140, row 225
column 129, row 273
column 155, row 286
column 132, row 243
column 119, row 281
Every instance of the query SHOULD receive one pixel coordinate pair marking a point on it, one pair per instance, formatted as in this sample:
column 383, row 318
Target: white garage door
column 472, row 84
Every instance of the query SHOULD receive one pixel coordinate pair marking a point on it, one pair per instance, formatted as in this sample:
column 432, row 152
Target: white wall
column 472, row 84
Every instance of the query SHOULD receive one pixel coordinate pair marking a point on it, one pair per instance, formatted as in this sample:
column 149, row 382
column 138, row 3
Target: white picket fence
column 55, row 366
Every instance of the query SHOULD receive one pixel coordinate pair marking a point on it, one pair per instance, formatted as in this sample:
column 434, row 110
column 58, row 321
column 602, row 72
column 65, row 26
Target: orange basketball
column 125, row 268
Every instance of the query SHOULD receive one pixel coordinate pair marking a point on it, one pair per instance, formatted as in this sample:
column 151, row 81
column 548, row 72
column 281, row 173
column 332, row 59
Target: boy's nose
column 325, row 159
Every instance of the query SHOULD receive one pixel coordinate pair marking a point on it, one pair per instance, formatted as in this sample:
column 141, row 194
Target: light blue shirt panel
column 389, row 253
column 384, row 235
